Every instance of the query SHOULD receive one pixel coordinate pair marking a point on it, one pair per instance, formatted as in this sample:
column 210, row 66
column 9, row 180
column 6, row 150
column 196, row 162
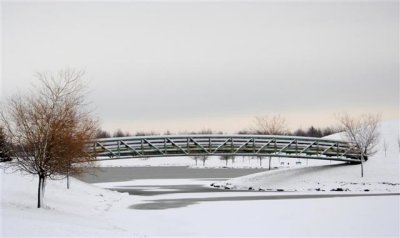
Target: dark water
column 118, row 174
column 161, row 204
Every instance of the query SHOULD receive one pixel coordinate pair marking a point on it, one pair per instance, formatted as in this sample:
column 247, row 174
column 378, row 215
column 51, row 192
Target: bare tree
column 4, row 147
column 225, row 158
column 102, row 134
column 260, row 158
column 330, row 130
column 363, row 133
column 167, row 133
column 196, row 158
column 398, row 142
column 49, row 128
column 269, row 163
column 120, row 133
column 275, row 125
column 72, row 148
column 233, row 159
column 385, row 147
column 203, row 159
column 314, row 132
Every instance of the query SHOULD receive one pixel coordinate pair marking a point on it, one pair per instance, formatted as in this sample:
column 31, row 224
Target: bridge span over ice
column 217, row 145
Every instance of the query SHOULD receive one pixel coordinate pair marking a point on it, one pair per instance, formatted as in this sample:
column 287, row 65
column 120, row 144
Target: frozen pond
column 179, row 186
column 118, row 174
column 153, row 181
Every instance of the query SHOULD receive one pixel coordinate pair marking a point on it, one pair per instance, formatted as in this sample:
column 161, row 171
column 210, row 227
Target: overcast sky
column 202, row 64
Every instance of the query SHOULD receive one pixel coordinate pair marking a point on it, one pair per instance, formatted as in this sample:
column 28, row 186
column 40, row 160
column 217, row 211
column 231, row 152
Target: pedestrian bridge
column 227, row 145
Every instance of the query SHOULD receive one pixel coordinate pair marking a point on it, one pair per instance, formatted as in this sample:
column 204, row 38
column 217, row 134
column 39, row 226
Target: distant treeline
column 310, row 132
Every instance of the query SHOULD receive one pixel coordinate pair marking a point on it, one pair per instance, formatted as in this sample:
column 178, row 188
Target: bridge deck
column 232, row 145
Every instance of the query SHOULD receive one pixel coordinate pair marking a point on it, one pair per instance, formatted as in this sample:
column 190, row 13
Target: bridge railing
column 235, row 145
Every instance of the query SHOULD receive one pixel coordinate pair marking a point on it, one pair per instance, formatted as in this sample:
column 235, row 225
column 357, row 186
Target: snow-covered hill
column 381, row 172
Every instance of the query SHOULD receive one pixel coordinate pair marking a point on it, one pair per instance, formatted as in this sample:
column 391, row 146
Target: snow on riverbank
column 381, row 172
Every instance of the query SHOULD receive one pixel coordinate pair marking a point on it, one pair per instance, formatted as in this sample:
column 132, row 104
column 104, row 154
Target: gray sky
column 193, row 65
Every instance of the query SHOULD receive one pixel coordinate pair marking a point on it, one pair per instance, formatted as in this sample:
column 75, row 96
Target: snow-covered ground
column 211, row 162
column 88, row 210
column 75, row 212
column 381, row 172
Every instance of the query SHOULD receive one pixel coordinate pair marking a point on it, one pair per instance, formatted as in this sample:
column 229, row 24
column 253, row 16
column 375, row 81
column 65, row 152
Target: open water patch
column 162, row 204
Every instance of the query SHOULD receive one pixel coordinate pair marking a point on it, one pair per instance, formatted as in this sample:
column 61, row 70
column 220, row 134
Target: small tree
column 49, row 128
column 398, row 142
column 330, row 130
column 120, row 133
column 203, row 158
column 269, row 163
column 196, row 158
column 314, row 132
column 233, row 159
column 225, row 158
column 300, row 132
column 260, row 158
column 275, row 125
column 385, row 147
column 4, row 147
column 102, row 134
column 363, row 133
column 168, row 132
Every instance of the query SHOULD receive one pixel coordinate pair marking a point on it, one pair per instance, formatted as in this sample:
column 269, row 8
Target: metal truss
column 232, row 145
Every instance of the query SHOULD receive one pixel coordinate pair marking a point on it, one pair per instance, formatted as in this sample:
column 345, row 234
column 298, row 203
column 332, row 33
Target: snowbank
column 381, row 172
column 88, row 211
column 79, row 211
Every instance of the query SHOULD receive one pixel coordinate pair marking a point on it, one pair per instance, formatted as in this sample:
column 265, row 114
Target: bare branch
column 276, row 125
column 362, row 131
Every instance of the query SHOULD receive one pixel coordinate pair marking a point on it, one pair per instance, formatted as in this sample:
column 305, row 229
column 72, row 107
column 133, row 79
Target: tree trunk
column 68, row 176
column 68, row 180
column 362, row 165
column 226, row 163
column 43, row 189
column 260, row 161
column 269, row 164
column 40, row 194
column 204, row 162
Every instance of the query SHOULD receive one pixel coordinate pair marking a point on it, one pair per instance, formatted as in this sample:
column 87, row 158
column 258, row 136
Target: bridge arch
column 234, row 145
